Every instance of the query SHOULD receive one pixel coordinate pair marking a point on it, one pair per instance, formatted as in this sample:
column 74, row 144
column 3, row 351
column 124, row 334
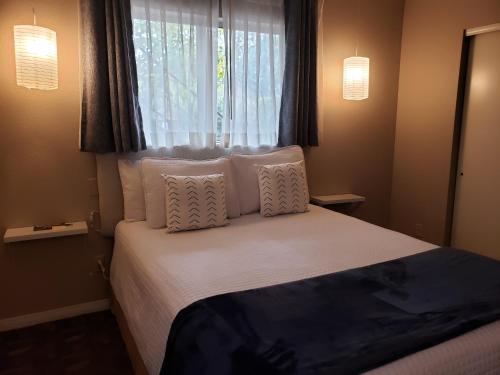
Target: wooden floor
column 88, row 344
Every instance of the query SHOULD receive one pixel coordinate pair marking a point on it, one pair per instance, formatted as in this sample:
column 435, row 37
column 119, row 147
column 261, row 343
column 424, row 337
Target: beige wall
column 357, row 138
column 430, row 61
column 43, row 176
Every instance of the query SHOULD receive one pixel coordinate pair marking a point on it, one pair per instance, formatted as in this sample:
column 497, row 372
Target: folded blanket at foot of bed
column 342, row 323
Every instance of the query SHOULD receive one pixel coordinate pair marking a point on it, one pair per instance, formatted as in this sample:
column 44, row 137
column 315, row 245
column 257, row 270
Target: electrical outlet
column 419, row 231
column 100, row 266
column 95, row 220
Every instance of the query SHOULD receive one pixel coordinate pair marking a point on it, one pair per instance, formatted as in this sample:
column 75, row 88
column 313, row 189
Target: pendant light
column 356, row 80
column 36, row 56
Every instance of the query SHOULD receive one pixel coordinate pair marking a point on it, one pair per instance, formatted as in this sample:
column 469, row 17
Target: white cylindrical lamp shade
column 356, row 78
column 36, row 57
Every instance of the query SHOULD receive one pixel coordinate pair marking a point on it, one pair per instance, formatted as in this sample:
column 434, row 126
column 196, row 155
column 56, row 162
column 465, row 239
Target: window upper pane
column 202, row 83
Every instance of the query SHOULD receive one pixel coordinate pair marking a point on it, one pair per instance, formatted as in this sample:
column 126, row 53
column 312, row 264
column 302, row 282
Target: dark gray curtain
column 111, row 117
column 298, row 115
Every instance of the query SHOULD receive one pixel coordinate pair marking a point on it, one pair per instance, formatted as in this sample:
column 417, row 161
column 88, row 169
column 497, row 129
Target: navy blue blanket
column 343, row 323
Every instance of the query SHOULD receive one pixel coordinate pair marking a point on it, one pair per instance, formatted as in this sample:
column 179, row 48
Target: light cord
column 358, row 13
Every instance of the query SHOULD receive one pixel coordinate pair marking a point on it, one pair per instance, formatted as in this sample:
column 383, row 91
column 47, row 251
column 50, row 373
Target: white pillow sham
column 283, row 188
column 245, row 174
column 134, row 208
column 195, row 202
column 154, row 189
column 134, row 205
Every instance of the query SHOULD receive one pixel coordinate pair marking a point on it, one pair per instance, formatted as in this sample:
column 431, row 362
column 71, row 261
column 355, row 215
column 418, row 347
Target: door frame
column 468, row 34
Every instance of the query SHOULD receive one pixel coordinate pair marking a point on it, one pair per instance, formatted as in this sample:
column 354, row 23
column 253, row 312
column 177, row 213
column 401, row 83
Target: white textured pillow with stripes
column 283, row 188
column 195, row 202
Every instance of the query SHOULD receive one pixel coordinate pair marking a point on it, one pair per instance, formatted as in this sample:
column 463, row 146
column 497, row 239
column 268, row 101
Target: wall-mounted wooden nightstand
column 29, row 233
column 344, row 203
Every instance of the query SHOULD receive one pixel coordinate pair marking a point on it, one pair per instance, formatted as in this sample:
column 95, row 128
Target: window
column 210, row 73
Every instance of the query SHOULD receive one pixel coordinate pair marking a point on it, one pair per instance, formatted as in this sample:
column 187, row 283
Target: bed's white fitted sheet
column 154, row 275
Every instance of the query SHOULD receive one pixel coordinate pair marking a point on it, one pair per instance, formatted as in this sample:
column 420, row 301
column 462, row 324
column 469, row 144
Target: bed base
column 133, row 351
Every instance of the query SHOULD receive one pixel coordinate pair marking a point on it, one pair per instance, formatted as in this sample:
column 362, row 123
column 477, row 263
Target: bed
column 155, row 275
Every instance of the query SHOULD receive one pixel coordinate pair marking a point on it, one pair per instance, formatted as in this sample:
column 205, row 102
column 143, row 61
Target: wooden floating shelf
column 325, row 200
column 28, row 233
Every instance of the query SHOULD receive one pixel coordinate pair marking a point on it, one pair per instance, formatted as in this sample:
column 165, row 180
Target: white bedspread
column 154, row 275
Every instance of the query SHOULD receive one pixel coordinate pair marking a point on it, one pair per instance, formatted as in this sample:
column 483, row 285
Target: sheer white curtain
column 209, row 71
column 255, row 38
column 176, row 54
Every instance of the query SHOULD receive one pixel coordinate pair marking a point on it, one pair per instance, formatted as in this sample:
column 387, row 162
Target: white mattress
column 154, row 275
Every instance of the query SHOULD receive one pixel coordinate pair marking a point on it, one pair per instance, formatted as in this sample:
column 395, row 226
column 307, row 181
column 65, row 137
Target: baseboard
column 55, row 314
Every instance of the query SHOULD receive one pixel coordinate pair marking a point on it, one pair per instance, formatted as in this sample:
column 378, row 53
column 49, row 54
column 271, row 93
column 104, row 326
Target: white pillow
column 134, row 206
column 195, row 202
column 154, row 189
column 133, row 195
column 283, row 188
column 245, row 174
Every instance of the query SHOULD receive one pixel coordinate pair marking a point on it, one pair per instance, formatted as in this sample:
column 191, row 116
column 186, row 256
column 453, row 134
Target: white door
column 476, row 218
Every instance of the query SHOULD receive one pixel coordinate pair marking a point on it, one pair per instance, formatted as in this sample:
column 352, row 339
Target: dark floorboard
column 87, row 344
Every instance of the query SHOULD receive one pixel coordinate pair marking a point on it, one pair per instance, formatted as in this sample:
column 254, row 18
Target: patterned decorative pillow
column 283, row 188
column 195, row 202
